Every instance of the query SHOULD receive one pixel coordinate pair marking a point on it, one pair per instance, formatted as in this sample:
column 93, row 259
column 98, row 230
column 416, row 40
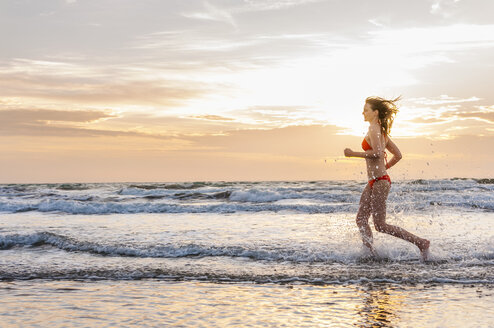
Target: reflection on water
column 380, row 304
column 196, row 304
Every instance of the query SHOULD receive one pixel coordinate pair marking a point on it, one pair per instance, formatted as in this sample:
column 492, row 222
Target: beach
column 202, row 163
column 243, row 254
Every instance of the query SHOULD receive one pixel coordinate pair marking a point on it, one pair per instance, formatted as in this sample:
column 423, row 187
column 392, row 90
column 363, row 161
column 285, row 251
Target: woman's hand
column 348, row 152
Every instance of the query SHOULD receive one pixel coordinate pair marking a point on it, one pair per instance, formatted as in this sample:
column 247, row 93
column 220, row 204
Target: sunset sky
column 185, row 90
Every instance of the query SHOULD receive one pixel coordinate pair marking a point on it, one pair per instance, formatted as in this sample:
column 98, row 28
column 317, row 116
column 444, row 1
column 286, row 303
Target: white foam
column 255, row 195
column 93, row 207
column 424, row 196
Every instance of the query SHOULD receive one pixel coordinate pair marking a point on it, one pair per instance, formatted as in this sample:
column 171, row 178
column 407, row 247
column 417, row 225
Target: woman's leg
column 364, row 212
column 379, row 195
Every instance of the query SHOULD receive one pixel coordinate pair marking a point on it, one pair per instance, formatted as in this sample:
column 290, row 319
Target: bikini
column 365, row 147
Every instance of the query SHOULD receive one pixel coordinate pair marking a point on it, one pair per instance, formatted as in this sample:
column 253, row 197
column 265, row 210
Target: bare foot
column 424, row 249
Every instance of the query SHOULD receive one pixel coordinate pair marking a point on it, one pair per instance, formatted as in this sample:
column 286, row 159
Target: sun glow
column 254, row 84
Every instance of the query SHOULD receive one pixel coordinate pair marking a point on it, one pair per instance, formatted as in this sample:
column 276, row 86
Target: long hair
column 387, row 110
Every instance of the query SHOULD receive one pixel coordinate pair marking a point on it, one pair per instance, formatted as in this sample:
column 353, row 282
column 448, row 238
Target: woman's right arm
column 393, row 149
column 375, row 141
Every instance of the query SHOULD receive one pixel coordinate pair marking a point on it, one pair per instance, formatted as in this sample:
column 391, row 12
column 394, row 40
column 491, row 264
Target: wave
column 182, row 274
column 81, row 207
column 73, row 186
column 419, row 182
column 218, row 203
column 70, row 244
column 198, row 195
column 485, row 181
column 179, row 186
column 263, row 253
column 257, row 196
column 238, row 194
column 202, row 197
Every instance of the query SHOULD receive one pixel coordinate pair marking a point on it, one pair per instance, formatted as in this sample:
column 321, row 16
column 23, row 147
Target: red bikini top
column 365, row 145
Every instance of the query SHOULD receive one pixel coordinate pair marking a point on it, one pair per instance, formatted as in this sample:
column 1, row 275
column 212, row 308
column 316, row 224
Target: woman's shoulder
column 375, row 128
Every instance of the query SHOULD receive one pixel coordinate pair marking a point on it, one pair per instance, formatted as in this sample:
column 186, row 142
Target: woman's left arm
column 393, row 149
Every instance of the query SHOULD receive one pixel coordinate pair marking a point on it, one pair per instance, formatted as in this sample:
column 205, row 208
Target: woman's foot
column 424, row 249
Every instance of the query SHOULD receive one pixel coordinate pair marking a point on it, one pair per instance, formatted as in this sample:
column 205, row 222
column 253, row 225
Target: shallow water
column 241, row 247
column 195, row 304
column 278, row 244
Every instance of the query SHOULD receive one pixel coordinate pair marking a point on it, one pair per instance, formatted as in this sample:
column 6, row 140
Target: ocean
column 207, row 254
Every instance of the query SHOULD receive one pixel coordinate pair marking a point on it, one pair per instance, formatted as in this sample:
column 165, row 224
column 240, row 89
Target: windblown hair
column 387, row 110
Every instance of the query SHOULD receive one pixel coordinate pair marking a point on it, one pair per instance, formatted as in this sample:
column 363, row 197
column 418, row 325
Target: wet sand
column 157, row 303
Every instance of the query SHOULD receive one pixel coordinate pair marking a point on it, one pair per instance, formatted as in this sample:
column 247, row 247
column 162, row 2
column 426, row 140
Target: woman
column 380, row 113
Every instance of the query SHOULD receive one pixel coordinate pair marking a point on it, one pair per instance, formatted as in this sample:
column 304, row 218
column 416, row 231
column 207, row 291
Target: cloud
column 168, row 62
column 446, row 116
column 262, row 5
column 224, row 12
column 59, row 123
column 202, row 52
column 43, row 115
column 429, row 120
column 69, row 83
column 93, row 123
column 444, row 8
column 482, row 116
column 213, row 13
column 443, row 99
column 376, row 22
column 213, row 117
column 278, row 116
column 439, row 43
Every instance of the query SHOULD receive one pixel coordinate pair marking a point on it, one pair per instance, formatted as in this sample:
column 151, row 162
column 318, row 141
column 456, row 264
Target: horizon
column 481, row 180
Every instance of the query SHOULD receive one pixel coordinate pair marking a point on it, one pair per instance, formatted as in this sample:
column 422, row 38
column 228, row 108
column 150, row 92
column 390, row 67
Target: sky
column 156, row 91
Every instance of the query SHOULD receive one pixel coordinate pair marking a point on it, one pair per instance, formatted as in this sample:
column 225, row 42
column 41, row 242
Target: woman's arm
column 393, row 149
column 376, row 144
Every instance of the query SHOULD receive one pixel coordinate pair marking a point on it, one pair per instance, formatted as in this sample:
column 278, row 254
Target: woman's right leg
column 378, row 205
column 363, row 215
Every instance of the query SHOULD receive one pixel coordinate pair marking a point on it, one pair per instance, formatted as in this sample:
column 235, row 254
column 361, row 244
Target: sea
column 246, row 254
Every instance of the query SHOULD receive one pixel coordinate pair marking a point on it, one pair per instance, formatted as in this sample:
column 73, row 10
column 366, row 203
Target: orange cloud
column 60, row 123
column 484, row 116
column 41, row 115
column 68, row 89
column 213, row 117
